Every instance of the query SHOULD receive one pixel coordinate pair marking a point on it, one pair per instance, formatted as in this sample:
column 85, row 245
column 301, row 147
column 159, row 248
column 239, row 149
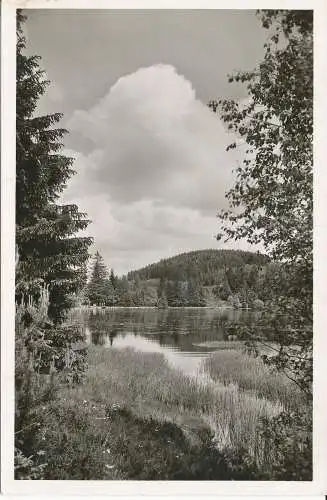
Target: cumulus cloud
column 157, row 171
column 155, row 140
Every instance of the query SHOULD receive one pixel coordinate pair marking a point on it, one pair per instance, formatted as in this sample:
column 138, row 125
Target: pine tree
column 46, row 231
column 113, row 279
column 110, row 299
column 50, row 261
column 124, row 297
column 97, row 288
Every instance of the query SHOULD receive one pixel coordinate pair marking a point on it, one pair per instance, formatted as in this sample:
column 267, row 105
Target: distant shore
column 97, row 308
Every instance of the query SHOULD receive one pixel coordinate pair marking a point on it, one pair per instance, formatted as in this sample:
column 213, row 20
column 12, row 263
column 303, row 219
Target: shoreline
column 104, row 308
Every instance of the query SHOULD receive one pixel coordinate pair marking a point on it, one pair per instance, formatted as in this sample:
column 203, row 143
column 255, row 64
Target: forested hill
column 198, row 278
column 207, row 267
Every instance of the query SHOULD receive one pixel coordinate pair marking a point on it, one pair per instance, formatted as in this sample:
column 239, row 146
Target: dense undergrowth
column 137, row 418
column 111, row 442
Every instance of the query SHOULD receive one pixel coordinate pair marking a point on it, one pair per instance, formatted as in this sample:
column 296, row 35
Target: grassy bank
column 137, row 418
column 252, row 375
column 112, row 443
column 145, row 383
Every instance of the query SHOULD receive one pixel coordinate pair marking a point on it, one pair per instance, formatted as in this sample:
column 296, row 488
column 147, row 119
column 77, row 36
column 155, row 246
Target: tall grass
column 145, row 383
column 251, row 374
column 91, row 441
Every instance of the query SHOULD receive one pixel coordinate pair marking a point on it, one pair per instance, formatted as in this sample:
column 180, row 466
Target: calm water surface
column 176, row 333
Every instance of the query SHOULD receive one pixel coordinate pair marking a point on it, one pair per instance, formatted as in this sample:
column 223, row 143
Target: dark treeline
column 194, row 279
column 204, row 266
column 50, row 267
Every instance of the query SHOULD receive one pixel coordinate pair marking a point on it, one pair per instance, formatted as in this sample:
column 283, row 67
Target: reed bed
column 251, row 374
column 150, row 388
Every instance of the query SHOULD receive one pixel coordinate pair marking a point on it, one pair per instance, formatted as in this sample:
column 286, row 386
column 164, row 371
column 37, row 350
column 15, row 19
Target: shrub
column 28, row 467
column 289, row 435
column 38, row 356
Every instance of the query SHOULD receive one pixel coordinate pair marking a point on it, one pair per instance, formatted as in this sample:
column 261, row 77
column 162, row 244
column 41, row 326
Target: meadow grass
column 88, row 441
column 251, row 374
column 151, row 389
column 135, row 417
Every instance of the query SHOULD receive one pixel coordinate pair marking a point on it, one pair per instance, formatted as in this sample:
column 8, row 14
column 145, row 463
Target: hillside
column 199, row 278
column 207, row 278
column 205, row 266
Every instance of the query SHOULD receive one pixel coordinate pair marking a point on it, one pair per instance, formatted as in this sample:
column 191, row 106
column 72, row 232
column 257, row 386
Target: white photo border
column 8, row 134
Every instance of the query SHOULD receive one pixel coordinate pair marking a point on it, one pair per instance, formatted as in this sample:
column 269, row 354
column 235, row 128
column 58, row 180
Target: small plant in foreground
column 290, row 436
column 28, row 467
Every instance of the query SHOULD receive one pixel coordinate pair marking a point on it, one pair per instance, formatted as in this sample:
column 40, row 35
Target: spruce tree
column 97, row 288
column 113, row 279
column 50, row 262
column 111, row 295
column 48, row 247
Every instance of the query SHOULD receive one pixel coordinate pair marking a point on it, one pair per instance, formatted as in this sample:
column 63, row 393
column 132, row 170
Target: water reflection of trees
column 169, row 327
column 101, row 328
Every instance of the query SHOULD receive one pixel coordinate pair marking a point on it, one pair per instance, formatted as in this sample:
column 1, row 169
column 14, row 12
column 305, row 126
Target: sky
column 150, row 157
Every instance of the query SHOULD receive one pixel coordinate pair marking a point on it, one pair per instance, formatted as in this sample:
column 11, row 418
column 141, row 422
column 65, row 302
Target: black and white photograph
column 163, row 245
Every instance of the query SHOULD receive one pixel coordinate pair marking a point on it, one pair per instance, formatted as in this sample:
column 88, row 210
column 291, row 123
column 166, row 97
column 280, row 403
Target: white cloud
column 158, row 170
column 155, row 139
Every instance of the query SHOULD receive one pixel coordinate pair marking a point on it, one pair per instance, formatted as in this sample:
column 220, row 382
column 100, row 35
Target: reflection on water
column 172, row 332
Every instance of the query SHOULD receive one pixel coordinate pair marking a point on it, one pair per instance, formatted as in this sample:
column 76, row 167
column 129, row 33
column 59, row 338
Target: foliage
column 290, row 434
column 50, row 266
column 136, row 418
column 26, row 468
column 197, row 279
column 38, row 357
column 94, row 440
column 239, row 276
column 271, row 201
column 48, row 346
column 30, row 393
column 274, row 186
column 45, row 230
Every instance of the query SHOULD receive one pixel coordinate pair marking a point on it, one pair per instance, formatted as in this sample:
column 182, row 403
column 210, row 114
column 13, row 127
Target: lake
column 177, row 333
